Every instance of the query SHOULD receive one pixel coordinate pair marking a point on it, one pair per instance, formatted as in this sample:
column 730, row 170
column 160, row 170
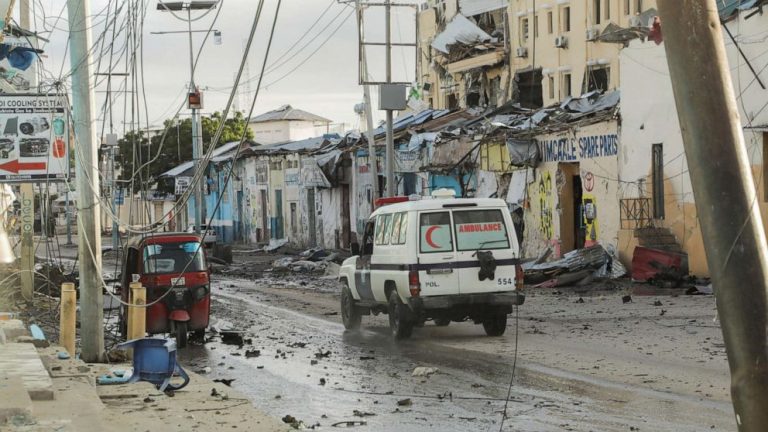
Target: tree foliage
column 136, row 149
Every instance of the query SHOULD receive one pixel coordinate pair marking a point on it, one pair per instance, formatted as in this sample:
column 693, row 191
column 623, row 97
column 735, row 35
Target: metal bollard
column 137, row 315
column 68, row 317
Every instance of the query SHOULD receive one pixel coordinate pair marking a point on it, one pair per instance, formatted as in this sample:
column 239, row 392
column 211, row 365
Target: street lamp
column 194, row 98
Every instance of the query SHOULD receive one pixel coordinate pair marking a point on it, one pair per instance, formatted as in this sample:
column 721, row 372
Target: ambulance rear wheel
column 399, row 317
column 350, row 314
column 496, row 324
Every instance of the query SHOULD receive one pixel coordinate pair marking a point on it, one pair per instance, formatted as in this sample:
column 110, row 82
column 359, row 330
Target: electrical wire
column 215, row 140
column 514, row 366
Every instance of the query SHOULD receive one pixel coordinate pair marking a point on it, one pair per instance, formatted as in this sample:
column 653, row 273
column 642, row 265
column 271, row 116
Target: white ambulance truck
column 439, row 259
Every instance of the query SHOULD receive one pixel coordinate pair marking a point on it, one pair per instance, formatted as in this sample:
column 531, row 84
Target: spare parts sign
column 34, row 138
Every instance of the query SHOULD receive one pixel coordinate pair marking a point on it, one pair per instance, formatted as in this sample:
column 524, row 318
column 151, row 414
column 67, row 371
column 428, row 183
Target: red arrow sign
column 15, row 166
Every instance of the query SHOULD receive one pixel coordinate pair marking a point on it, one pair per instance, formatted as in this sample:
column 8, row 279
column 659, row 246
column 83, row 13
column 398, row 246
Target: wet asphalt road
column 313, row 370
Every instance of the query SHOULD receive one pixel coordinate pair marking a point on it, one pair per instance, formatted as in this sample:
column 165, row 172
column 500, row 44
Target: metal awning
column 474, row 7
column 488, row 59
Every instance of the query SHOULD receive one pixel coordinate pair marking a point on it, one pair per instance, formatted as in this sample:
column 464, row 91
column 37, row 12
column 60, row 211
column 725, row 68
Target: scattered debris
column 275, row 245
column 367, row 358
column 404, row 402
column 296, row 424
column 232, row 337
column 657, row 303
column 626, row 299
column 322, row 381
column 580, row 300
column 314, row 254
column 282, row 263
column 422, row 371
column 226, row 382
column 574, row 267
column 252, row 353
column 307, row 266
column 664, row 268
column 349, row 423
column 357, row 413
column 321, row 354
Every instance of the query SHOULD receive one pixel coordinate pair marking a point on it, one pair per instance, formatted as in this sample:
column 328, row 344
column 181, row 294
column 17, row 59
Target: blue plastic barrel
column 154, row 360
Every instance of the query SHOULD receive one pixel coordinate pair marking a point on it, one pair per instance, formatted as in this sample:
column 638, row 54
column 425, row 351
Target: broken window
column 596, row 78
column 566, row 85
column 524, row 28
column 451, row 103
column 627, row 7
column 596, row 11
column 494, row 92
column 530, row 93
column 565, row 19
column 551, row 85
column 550, row 27
column 657, row 156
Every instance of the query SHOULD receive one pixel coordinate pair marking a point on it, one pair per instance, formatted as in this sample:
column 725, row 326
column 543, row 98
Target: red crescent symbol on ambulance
column 428, row 237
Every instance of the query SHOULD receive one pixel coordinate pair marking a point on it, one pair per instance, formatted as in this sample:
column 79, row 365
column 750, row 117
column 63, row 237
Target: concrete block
column 38, row 343
column 13, row 329
column 22, row 360
column 14, row 400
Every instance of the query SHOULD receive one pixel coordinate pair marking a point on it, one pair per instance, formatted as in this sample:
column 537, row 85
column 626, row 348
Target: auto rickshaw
column 174, row 270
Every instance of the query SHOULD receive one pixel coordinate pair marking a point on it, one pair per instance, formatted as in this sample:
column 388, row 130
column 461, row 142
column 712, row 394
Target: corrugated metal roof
column 298, row 146
column 474, row 7
column 287, row 112
column 217, row 153
column 460, row 29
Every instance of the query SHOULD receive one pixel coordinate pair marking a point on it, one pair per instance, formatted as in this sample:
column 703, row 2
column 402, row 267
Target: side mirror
column 355, row 248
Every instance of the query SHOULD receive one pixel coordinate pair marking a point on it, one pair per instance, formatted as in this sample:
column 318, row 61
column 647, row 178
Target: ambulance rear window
column 480, row 229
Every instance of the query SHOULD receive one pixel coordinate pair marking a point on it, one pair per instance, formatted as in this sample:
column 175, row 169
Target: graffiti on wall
column 545, row 205
column 589, row 210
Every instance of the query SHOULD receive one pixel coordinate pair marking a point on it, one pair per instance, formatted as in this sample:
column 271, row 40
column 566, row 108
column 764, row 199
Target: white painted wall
column 649, row 116
column 271, row 132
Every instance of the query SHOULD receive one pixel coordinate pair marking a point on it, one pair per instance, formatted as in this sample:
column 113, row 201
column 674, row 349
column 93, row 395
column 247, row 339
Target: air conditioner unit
column 592, row 34
column 561, row 42
column 521, row 52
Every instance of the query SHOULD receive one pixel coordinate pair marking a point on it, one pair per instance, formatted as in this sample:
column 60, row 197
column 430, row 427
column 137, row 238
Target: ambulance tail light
column 519, row 276
column 413, row 283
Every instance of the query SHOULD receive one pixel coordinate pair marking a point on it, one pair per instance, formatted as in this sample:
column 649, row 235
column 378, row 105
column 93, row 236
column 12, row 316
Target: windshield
column 480, row 229
column 173, row 258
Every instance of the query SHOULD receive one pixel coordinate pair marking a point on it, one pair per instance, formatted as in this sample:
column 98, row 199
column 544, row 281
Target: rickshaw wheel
column 181, row 334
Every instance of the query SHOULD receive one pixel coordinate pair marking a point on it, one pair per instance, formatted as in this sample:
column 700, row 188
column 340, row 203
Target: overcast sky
column 325, row 83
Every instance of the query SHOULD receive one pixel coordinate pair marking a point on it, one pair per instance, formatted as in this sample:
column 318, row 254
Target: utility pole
column 197, row 143
column 726, row 199
column 194, row 100
column 86, row 169
column 372, row 159
column 390, row 138
column 27, row 207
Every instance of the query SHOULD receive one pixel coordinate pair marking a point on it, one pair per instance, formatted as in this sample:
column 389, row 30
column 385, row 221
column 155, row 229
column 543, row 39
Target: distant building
column 287, row 124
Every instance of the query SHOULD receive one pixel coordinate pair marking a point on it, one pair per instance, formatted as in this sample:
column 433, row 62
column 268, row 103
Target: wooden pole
column 726, row 198
column 137, row 315
column 68, row 318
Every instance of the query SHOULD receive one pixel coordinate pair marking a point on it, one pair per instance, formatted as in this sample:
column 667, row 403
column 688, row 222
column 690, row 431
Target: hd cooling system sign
column 34, row 138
